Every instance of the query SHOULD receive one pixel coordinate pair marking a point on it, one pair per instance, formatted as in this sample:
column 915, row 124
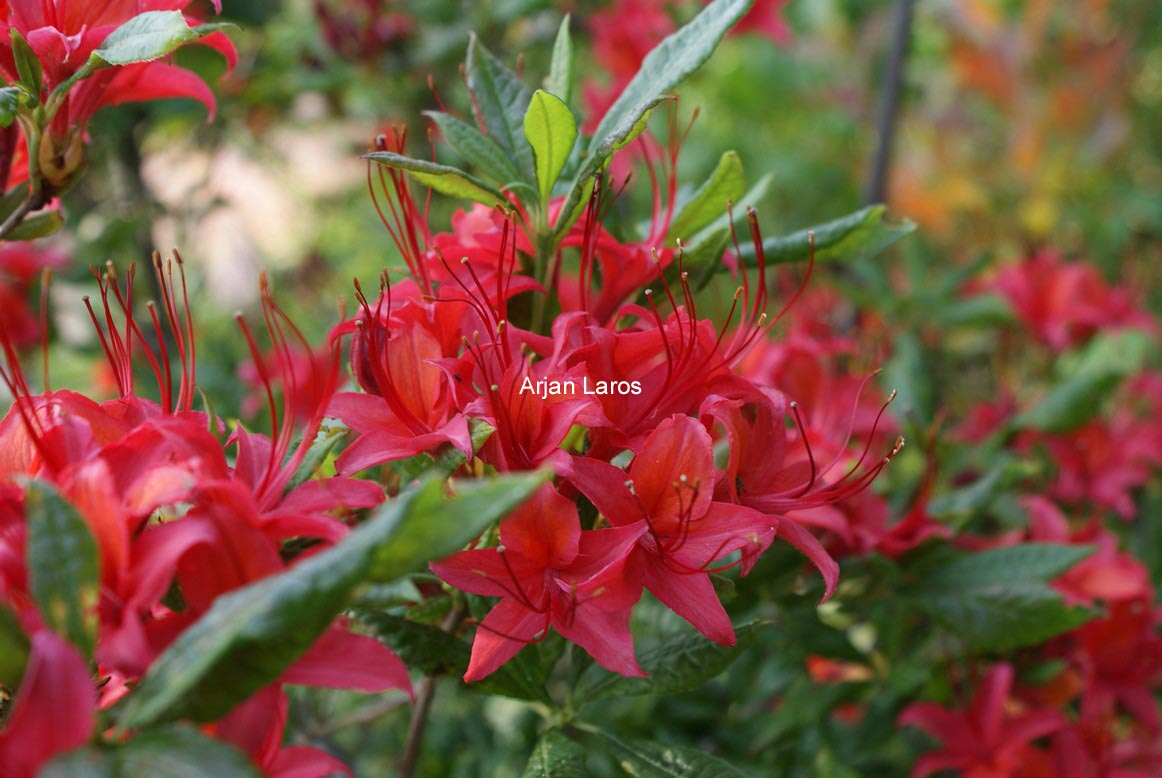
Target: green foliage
column 176, row 751
column 850, row 238
column 13, row 649
column 251, row 635
column 11, row 99
column 551, row 130
column 145, row 37
column 556, row 756
column 647, row 759
column 479, row 149
column 725, row 185
column 562, row 78
column 28, row 68
column 670, row 63
column 679, row 664
column 998, row 600
column 500, row 103
column 1069, row 404
column 441, row 178
column 63, row 566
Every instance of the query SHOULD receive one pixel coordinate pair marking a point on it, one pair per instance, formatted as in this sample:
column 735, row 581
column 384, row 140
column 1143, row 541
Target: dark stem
column 423, row 709
column 877, row 183
column 34, row 202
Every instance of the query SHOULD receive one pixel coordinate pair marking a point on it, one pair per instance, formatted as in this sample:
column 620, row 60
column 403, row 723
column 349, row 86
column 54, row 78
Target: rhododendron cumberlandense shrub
column 556, row 452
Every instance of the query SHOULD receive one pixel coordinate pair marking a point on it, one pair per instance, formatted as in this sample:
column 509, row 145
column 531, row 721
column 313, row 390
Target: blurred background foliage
column 1022, row 125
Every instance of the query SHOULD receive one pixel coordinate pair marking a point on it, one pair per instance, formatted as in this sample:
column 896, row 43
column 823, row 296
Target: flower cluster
column 626, row 398
column 181, row 511
column 1084, row 702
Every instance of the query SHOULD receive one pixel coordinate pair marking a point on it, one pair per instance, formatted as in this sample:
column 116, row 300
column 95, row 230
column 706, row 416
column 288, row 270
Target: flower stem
column 423, row 709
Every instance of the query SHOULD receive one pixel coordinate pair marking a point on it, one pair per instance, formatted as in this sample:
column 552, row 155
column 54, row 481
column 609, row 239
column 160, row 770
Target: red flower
column 54, row 710
column 548, row 572
column 670, row 486
column 1065, row 303
column 988, row 739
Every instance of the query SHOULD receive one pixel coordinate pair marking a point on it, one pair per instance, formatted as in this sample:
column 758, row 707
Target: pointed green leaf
column 1011, row 564
column 63, row 566
column 562, row 72
column 178, row 751
column 672, row 61
column 634, row 124
column 726, row 184
column 28, row 68
column 1070, row 404
column 677, row 665
column 442, row 178
column 147, row 36
column 479, row 149
column 647, row 759
column 998, row 600
column 556, row 756
column 856, row 236
column 551, row 130
column 37, row 225
column 11, row 98
column 422, row 647
column 251, row 635
column 500, row 102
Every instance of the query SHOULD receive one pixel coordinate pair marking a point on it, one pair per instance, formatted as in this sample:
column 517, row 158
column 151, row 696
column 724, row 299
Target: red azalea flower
column 987, row 739
column 670, row 486
column 1065, row 303
column 62, row 36
column 54, row 710
column 549, row 572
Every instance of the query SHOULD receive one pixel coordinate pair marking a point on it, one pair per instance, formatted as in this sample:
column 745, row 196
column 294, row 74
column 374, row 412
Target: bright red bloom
column 670, row 486
column 988, row 739
column 62, row 36
column 549, row 572
column 54, row 710
column 1065, row 303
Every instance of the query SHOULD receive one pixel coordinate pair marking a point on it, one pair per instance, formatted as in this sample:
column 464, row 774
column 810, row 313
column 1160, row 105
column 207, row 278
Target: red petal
column 345, row 660
column 691, row 596
column 679, row 451
column 53, row 711
column 507, row 629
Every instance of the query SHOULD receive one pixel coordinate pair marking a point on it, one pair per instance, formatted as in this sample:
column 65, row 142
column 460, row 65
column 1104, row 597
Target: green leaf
column 476, row 148
column 37, row 225
column 978, row 495
column 436, row 526
column 28, row 68
column 422, row 647
column 998, row 600
column 551, row 130
column 556, row 756
column 173, row 752
column 447, row 459
column 1069, row 404
column 145, row 37
column 677, row 665
column 322, row 446
column 647, row 759
column 442, row 178
column 671, row 62
column 251, row 635
column 1012, row 564
column 633, row 126
column 64, row 567
column 1123, row 353
column 858, row 235
column 726, row 184
column 11, row 98
column 13, row 649
column 500, row 101
column 703, row 257
column 562, row 72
